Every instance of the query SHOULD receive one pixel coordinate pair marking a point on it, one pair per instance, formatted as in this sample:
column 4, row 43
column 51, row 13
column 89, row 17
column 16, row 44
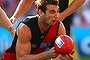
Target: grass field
column 85, row 58
column 0, row 58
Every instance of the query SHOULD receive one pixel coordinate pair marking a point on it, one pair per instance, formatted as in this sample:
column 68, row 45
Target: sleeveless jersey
column 39, row 42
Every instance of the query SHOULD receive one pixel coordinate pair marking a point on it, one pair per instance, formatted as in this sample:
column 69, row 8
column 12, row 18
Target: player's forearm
column 41, row 56
column 4, row 22
column 22, row 8
column 73, row 7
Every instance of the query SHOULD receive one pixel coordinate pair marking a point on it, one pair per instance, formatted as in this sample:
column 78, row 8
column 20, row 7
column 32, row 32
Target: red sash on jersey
column 9, row 56
column 49, row 38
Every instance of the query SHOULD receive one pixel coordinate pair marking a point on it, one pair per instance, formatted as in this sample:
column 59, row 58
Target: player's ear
column 41, row 13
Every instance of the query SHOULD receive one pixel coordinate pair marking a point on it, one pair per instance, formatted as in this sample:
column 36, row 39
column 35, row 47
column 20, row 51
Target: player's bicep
column 23, row 46
column 22, row 49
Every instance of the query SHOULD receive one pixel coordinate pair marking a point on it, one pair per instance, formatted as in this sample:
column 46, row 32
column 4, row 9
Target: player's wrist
column 10, row 28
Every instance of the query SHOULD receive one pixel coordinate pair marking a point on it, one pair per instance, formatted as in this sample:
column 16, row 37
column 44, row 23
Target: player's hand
column 13, row 20
column 52, row 53
column 66, row 57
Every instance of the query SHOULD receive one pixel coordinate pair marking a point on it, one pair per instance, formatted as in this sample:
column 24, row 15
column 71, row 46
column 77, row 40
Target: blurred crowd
column 9, row 6
column 80, row 18
column 82, row 15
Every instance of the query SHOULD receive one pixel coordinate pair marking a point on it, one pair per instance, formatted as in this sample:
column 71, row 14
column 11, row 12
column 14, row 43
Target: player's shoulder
column 23, row 29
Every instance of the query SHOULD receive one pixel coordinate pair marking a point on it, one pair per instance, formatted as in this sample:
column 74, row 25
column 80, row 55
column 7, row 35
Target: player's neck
column 43, row 27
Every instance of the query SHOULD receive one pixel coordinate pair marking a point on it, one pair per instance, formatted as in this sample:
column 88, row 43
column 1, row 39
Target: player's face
column 51, row 14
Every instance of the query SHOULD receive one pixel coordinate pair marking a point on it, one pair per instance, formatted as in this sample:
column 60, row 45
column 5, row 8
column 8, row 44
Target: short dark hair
column 43, row 3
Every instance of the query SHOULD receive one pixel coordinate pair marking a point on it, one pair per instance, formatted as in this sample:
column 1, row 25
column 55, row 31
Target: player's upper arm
column 61, row 30
column 23, row 45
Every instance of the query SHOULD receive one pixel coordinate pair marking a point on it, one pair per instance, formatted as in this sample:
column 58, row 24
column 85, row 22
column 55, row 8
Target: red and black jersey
column 39, row 42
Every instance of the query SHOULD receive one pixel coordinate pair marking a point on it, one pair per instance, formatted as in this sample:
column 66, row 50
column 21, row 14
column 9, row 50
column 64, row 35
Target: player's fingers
column 69, row 57
column 13, row 20
column 72, row 52
column 62, row 57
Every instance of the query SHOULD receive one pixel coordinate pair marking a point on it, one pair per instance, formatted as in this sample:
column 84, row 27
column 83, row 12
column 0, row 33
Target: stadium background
column 81, row 35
